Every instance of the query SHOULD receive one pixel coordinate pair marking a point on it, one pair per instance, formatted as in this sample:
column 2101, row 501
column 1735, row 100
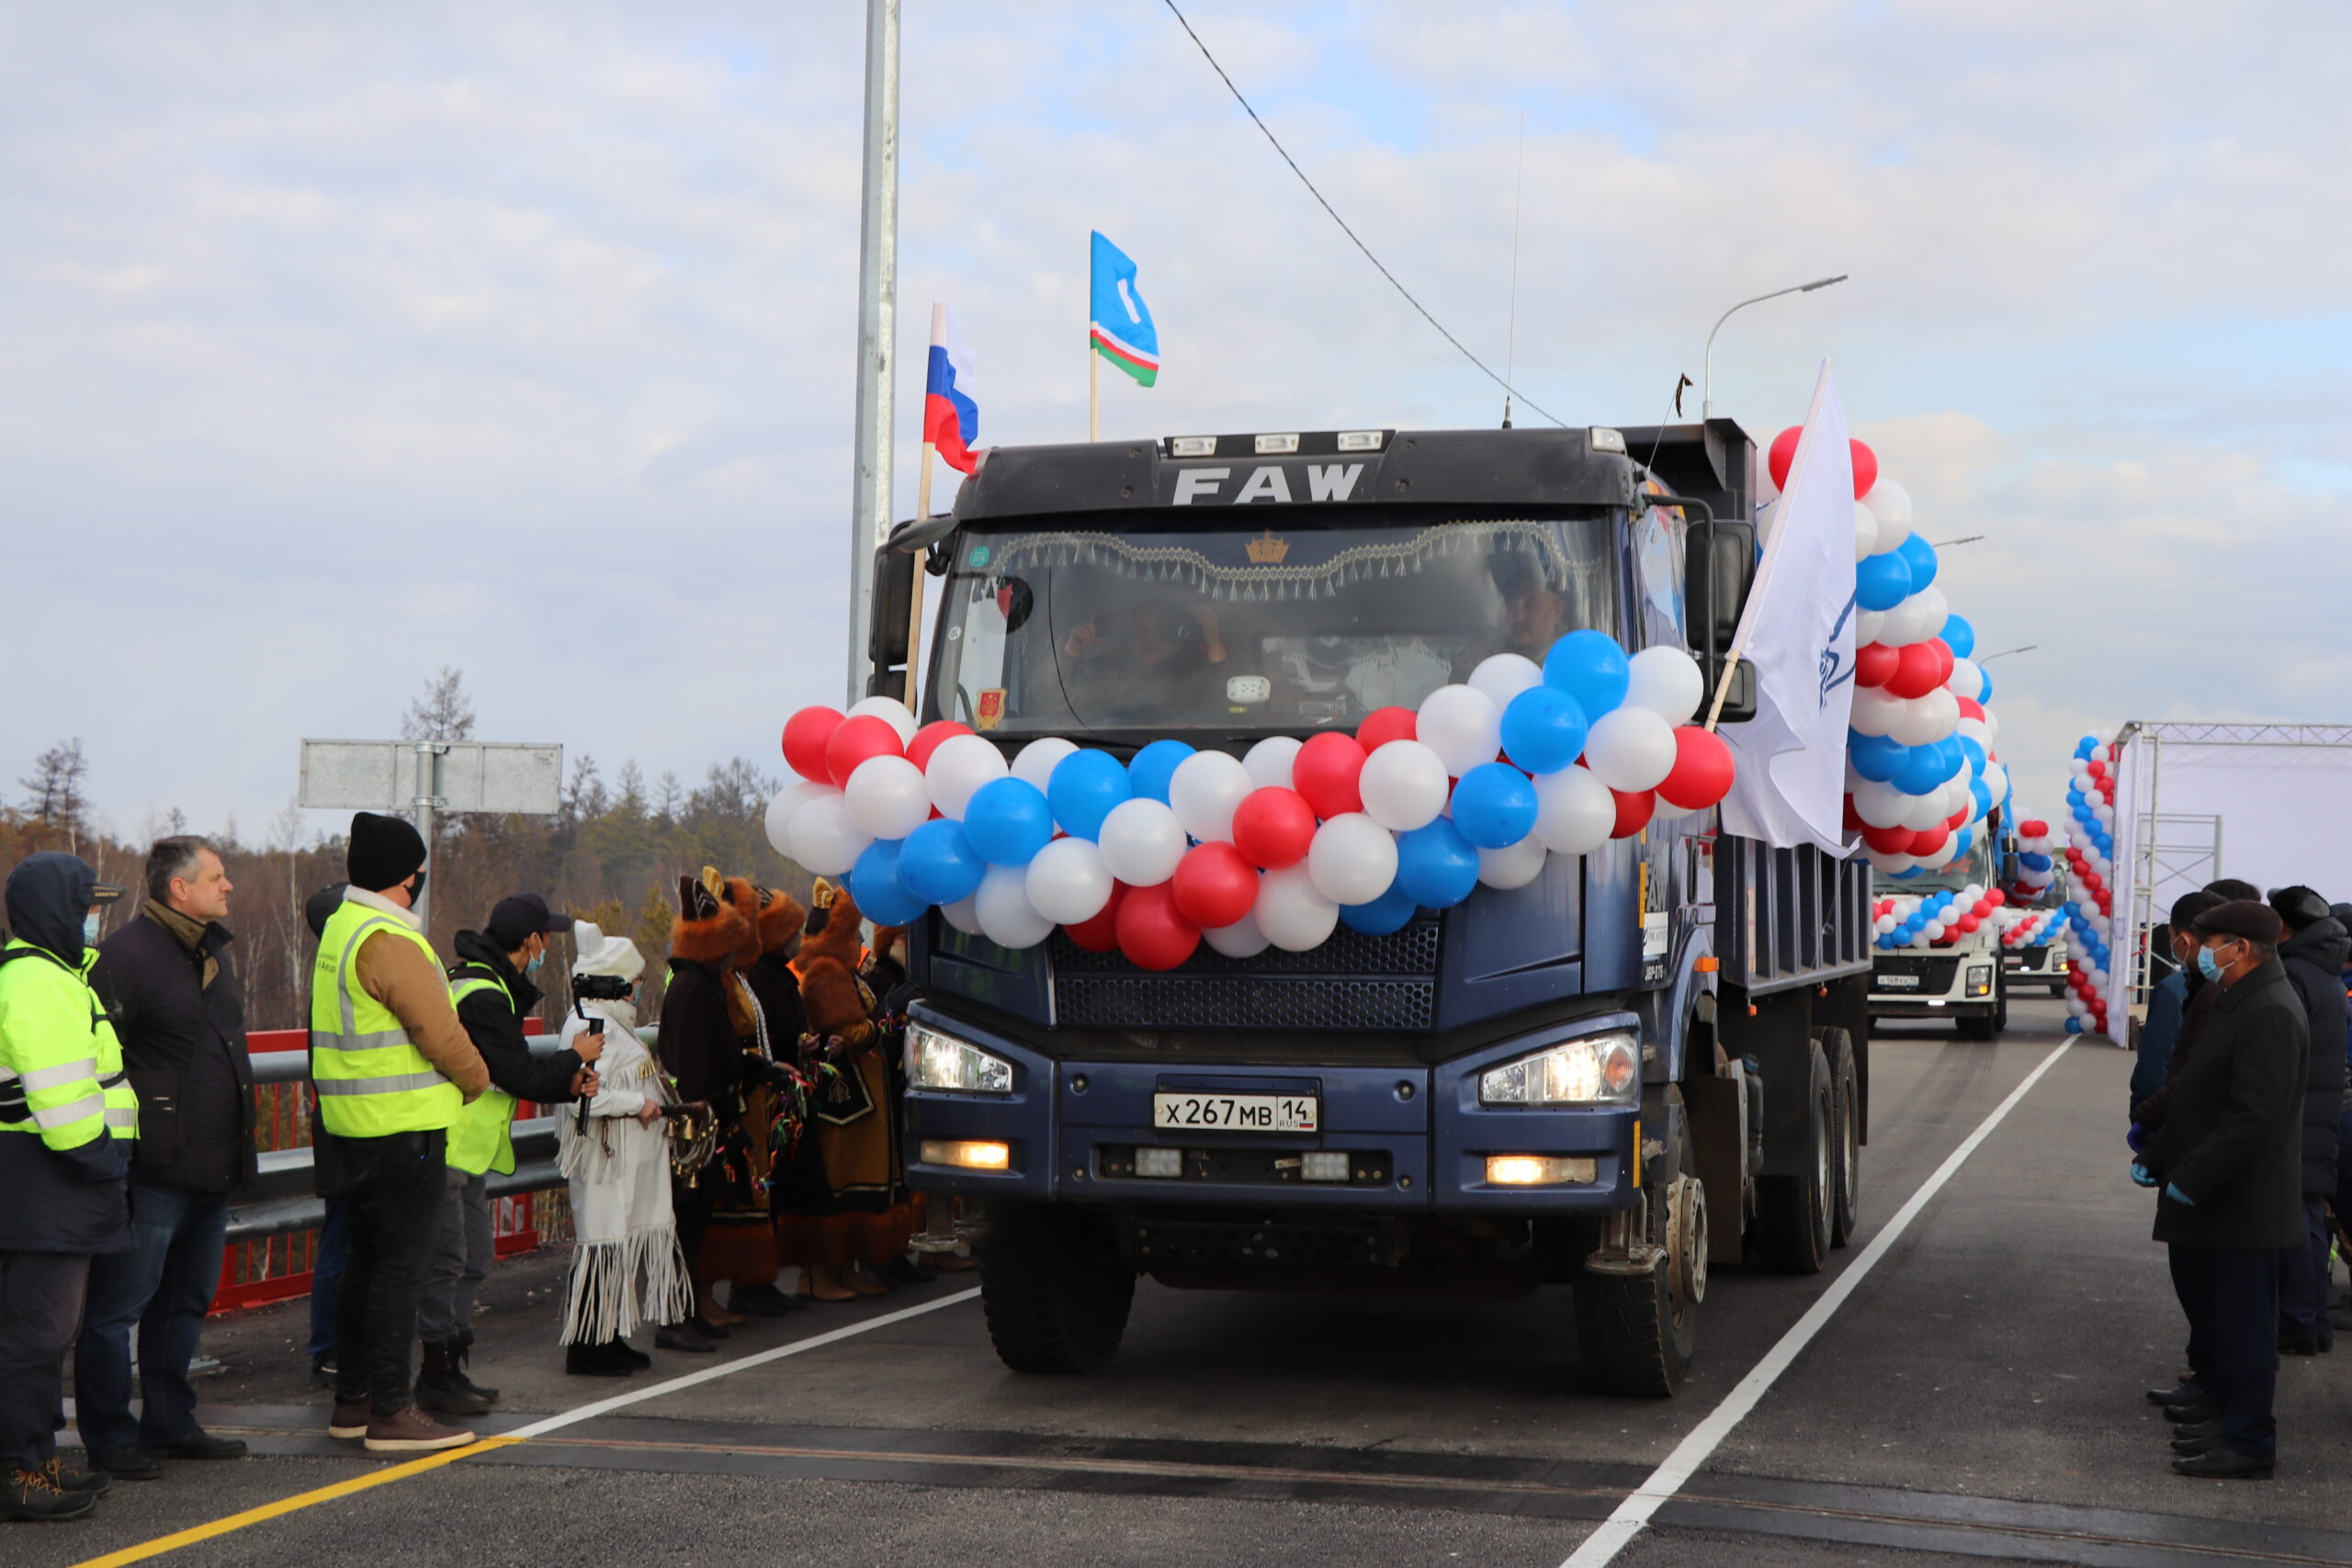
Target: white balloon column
column 2036, row 869
column 2090, row 799
column 1279, row 848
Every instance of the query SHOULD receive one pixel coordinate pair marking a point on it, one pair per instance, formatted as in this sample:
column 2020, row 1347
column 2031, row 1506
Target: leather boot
column 464, row 1361
column 593, row 1361
column 439, row 1388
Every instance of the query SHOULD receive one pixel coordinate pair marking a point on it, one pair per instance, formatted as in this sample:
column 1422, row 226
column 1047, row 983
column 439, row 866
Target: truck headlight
column 1603, row 1069
column 942, row 1061
column 1980, row 979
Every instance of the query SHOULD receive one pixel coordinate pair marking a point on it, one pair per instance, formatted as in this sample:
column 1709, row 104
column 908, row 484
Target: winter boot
column 464, row 1361
column 411, row 1431
column 584, row 1361
column 31, row 1494
column 637, row 1359
column 440, row 1389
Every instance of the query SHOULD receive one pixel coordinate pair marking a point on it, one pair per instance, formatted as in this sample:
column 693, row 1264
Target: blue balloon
column 1921, row 771
column 2070, row 908
column 2086, row 746
column 1153, row 767
column 1494, row 806
column 874, row 881
column 2034, row 862
column 1389, row 912
column 1905, row 874
column 1082, row 790
column 1961, row 840
column 1981, row 796
column 1958, row 636
column 1590, row 667
column 1920, row 557
column 1877, row 758
column 2073, row 1025
column 1543, row 728
column 1986, row 694
column 1007, row 822
column 1436, row 866
column 1882, row 582
column 1973, row 749
column 938, row 864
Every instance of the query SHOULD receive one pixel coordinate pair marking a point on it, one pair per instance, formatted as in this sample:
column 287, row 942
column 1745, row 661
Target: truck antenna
column 1511, row 333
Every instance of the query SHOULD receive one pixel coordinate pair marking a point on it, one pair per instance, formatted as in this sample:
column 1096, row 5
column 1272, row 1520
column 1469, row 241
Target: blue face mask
column 537, row 959
column 2207, row 964
column 90, row 924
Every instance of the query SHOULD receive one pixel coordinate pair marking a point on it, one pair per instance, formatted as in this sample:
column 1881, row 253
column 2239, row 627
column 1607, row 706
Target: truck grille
column 2035, row 956
column 1936, row 975
column 1351, row 982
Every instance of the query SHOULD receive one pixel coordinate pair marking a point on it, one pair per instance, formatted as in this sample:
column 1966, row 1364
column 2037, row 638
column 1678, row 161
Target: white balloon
column 887, row 797
column 1869, row 626
column 1865, row 533
column 1996, row 779
column 1884, row 924
column 1992, row 721
column 1630, row 749
column 958, row 766
column 1667, row 682
column 1891, row 864
column 1404, row 784
column 1292, row 912
column 1067, row 882
column 825, row 838
column 1942, row 857
column 1876, row 710
column 891, row 711
column 1922, row 615
column 1242, row 939
column 1006, row 916
column 1974, row 728
column 1352, row 859
column 1142, row 842
column 1204, row 791
column 1891, row 505
column 2079, row 767
column 2098, row 753
column 1517, row 866
column 1270, row 760
column 1854, row 780
column 1926, row 720
column 1462, row 726
column 1924, row 811
column 1575, row 813
column 788, row 800
column 1503, row 676
column 1881, row 805
column 1965, row 680
column 963, row 915
column 1034, row 763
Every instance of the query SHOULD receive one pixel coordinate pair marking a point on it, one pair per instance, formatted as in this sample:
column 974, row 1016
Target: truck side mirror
column 894, row 590
column 1719, row 566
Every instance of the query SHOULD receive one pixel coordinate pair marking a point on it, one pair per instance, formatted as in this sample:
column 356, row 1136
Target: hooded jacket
column 2313, row 959
column 496, row 1027
column 2230, row 1141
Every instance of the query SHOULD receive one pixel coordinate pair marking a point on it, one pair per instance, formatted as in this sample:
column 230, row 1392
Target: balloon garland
column 2029, row 928
column 2036, row 869
column 2090, row 864
column 1480, row 786
column 1939, row 918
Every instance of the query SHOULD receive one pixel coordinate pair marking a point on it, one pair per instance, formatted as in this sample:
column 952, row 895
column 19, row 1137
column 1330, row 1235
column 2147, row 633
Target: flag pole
column 914, row 595
column 1740, row 634
column 1093, row 389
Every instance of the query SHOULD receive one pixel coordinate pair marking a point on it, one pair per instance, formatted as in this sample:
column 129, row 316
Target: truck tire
column 1053, row 1286
column 1792, row 1212
column 1846, row 1167
column 1636, row 1333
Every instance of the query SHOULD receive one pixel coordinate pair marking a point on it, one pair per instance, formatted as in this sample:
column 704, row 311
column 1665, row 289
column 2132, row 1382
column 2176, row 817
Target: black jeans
column 390, row 1190
column 40, row 1307
column 2233, row 1295
column 2190, row 1286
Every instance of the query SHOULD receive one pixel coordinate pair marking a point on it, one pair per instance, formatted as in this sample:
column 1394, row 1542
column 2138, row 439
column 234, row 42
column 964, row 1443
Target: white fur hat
column 602, row 955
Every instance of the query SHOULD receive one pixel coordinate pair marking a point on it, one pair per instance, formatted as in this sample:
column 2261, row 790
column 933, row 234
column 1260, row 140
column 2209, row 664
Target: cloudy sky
column 340, row 342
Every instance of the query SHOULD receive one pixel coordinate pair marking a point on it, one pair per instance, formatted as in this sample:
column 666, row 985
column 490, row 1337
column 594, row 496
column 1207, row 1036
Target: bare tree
column 630, row 803
column 443, row 712
column 585, row 798
column 669, row 797
column 55, row 795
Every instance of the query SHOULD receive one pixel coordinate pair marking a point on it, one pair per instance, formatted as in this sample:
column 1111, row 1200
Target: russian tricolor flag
column 951, row 420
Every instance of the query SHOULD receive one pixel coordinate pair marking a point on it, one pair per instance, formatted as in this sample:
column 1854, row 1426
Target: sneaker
column 130, row 1463
column 412, row 1431
column 97, row 1483
column 31, row 1494
column 322, row 1372
column 350, row 1418
column 198, row 1443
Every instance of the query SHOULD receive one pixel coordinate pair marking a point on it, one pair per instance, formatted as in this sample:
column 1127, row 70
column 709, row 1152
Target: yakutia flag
column 1121, row 332
column 1798, row 630
column 951, row 420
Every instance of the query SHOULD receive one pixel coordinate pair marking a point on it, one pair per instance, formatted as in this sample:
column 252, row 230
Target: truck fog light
column 1540, row 1170
column 1980, row 980
column 967, row 1154
column 1164, row 1165
column 1324, row 1165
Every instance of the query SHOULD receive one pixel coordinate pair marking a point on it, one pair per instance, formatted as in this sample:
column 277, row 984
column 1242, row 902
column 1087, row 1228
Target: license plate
column 1898, row 982
column 1237, row 1112
column 2012, row 963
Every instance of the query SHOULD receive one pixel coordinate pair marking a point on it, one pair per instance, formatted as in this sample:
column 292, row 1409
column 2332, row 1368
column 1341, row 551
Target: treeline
column 612, row 852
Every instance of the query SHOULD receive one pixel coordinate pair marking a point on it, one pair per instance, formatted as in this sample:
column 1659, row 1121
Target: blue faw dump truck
column 1651, row 1060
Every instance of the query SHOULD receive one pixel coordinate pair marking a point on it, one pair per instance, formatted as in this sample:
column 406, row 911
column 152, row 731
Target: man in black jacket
column 167, row 979
column 494, row 992
column 2229, row 1161
column 2313, row 956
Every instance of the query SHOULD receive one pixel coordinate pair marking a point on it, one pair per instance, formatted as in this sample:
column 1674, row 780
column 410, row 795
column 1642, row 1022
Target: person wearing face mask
column 2314, row 954
column 2168, row 1030
column 492, row 986
column 2227, row 1165
column 67, row 1120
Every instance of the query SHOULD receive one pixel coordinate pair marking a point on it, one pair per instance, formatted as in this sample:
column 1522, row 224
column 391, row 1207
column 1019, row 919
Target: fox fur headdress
column 711, row 929
column 836, row 1002
column 782, row 921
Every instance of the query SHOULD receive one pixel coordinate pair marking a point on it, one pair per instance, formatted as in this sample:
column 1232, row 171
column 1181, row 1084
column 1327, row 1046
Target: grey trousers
column 460, row 1259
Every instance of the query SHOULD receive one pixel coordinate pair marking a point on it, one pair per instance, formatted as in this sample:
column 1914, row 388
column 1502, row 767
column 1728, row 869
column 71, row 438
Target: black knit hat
column 2299, row 906
column 2240, row 918
column 385, row 852
column 320, row 907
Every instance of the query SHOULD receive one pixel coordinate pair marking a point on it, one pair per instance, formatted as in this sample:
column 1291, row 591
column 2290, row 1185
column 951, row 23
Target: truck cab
column 1646, row 1061
column 1961, row 976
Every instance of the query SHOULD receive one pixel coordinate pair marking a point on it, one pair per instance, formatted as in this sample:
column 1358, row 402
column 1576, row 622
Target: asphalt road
column 1977, row 1397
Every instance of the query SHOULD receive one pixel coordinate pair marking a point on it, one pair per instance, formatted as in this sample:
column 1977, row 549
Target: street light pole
column 1988, row 659
column 1707, row 396
column 877, row 306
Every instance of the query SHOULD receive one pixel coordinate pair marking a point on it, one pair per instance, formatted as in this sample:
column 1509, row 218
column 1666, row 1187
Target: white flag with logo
column 1798, row 631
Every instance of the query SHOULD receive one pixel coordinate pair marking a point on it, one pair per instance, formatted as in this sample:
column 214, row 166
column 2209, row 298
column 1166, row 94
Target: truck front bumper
column 1969, row 989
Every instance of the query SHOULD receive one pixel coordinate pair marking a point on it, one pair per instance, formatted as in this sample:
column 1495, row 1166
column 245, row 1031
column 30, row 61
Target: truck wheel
column 1636, row 1333
column 1792, row 1212
column 1846, row 1171
column 1977, row 1026
column 1053, row 1286
column 2000, row 1005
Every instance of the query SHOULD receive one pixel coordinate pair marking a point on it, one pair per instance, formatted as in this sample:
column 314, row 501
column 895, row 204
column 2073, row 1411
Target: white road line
column 589, row 1412
column 1619, row 1530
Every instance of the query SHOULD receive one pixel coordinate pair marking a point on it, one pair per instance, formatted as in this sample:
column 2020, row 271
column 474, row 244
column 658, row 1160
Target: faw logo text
column 1324, row 482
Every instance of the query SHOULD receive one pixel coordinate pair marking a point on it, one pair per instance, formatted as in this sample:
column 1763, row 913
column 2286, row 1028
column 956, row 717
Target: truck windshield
column 1975, row 866
column 1089, row 627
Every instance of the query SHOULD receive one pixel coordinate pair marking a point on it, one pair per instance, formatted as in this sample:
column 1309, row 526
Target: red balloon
column 1997, row 897
column 1151, row 932
column 1927, row 840
column 1702, row 770
column 1874, row 664
column 1324, row 773
column 1958, row 819
column 1918, row 670
column 856, row 740
column 1378, row 728
column 1969, row 923
column 1894, row 841
column 929, row 738
column 804, row 734
column 1272, row 828
column 2034, row 828
column 1971, row 709
column 1854, row 823
column 1634, row 812
column 1865, row 469
column 1101, row 934
column 2098, row 770
column 1214, row 886
column 1783, row 453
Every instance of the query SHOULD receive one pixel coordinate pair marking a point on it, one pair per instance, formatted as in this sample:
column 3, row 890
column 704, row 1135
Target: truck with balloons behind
column 1309, row 846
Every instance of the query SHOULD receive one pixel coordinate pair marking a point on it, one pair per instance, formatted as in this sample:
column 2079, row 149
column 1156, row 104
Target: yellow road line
column 300, row 1500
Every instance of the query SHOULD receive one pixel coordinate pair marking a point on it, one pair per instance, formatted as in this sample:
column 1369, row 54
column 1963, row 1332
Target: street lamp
column 1988, row 659
column 1707, row 395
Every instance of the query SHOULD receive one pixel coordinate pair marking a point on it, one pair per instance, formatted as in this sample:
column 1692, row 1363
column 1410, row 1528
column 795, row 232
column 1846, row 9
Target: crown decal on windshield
column 1267, row 551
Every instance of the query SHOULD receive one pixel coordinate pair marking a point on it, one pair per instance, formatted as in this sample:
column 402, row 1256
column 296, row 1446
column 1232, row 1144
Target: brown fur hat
column 833, row 927
column 744, row 898
column 710, row 928
column 783, row 921
column 830, row 991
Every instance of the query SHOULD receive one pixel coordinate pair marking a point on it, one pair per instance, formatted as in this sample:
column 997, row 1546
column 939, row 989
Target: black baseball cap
column 522, row 916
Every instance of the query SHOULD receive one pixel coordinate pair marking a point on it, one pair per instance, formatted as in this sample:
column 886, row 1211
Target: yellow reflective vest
column 481, row 1140
column 60, row 1066
column 372, row 1080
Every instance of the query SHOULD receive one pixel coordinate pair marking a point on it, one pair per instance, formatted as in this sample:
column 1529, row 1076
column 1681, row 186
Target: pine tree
column 55, row 795
column 442, row 712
